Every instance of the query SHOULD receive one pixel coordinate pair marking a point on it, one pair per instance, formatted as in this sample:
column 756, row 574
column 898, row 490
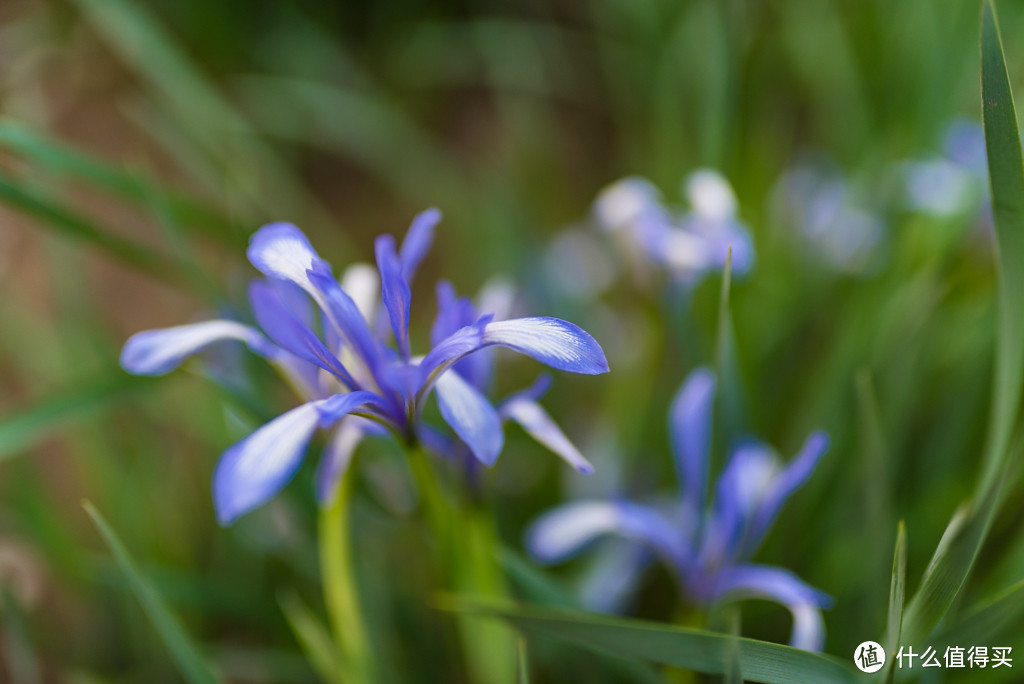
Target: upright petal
column 784, row 484
column 256, row 468
column 394, row 290
column 552, row 341
column 782, row 586
column 352, row 326
column 333, row 465
column 742, row 486
column 281, row 250
column 690, row 428
column 155, row 352
column 564, row 531
column 417, row 242
column 471, row 416
column 290, row 333
column 362, row 283
column 536, row 421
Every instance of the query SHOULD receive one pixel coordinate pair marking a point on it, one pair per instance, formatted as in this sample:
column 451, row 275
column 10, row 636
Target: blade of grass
column 22, row 430
column 522, row 663
column 669, row 645
column 897, row 592
column 1006, row 175
column 193, row 667
column 314, row 637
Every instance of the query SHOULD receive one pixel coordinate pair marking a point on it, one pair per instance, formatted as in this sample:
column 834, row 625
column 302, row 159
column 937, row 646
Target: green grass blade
column 987, row 622
column 193, row 667
column 71, row 224
column 897, row 592
column 691, row 649
column 314, row 637
column 23, row 429
column 1006, row 174
column 522, row 663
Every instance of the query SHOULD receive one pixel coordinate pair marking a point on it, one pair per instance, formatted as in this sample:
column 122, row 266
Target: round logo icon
column 869, row 656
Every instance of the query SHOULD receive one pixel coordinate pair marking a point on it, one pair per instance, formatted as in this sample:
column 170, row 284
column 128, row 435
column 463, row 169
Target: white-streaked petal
column 281, row 250
column 552, row 341
column 710, row 194
column 624, row 201
column 536, row 421
column 155, row 352
column 472, row 417
column 362, row 283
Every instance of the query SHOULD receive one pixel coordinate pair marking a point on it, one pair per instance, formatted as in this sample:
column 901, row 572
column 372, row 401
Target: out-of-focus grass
column 509, row 118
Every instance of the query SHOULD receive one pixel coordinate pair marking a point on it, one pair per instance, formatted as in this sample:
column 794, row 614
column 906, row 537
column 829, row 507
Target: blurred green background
column 143, row 142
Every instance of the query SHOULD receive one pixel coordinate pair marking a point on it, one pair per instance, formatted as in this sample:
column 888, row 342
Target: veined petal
column 349, row 319
column 564, row 531
column 281, row 250
column 471, row 416
column 256, row 468
column 417, row 242
column 536, row 421
column 784, row 484
column 552, row 341
column 155, row 352
column 690, row 428
column 781, row 586
column 337, row 457
column 290, row 333
column 447, row 352
column 394, row 290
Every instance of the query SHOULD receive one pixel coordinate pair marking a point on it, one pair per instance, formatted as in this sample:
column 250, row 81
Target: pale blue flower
column 708, row 544
column 354, row 381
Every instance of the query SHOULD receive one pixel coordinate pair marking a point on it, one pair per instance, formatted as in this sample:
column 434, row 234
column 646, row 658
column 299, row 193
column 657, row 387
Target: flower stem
column 339, row 586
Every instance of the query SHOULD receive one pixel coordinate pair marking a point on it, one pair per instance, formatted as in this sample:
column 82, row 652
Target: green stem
column 339, row 585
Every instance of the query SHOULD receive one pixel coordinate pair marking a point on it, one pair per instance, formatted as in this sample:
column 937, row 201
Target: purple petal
column 155, row 352
column 614, row 576
column 337, row 457
column 290, row 333
column 394, row 290
column 690, row 428
column 349, row 320
column 256, row 468
column 453, row 313
column 741, row 488
column 471, row 416
column 563, row 532
column 417, row 242
column 281, row 250
column 552, row 341
column 542, row 428
column 784, row 484
column 782, row 586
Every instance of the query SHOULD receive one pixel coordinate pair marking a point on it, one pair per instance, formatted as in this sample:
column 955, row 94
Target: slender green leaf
column 726, row 361
column 70, row 223
column 897, row 591
column 522, row 663
column 313, row 636
column 187, row 657
column 1006, row 174
column 692, row 649
column 23, row 429
column 986, row 622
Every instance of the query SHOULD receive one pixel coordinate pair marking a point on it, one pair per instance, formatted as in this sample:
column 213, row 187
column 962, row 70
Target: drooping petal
column 450, row 350
column 784, row 484
column 281, row 250
column 337, row 456
column 552, row 341
column 290, row 333
column 690, row 428
column 256, row 468
column 155, row 352
column 536, row 421
column 471, row 416
column 564, row 531
column 776, row 584
column 394, row 290
column 417, row 242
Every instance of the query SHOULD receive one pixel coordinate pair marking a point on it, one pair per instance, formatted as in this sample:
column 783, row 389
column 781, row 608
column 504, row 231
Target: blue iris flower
column 709, row 547
column 354, row 380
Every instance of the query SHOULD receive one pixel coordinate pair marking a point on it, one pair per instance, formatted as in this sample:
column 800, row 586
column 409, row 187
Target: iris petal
column 281, row 250
column 256, row 468
column 690, row 427
column 563, row 532
column 536, row 421
column 394, row 290
column 337, row 457
column 417, row 242
column 552, row 341
column 155, row 352
column 472, row 417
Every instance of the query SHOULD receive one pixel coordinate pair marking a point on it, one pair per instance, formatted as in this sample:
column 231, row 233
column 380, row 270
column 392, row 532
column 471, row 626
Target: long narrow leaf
column 186, row 655
column 692, row 649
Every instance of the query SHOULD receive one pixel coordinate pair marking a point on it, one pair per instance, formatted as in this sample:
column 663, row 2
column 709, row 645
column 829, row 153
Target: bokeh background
column 143, row 142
